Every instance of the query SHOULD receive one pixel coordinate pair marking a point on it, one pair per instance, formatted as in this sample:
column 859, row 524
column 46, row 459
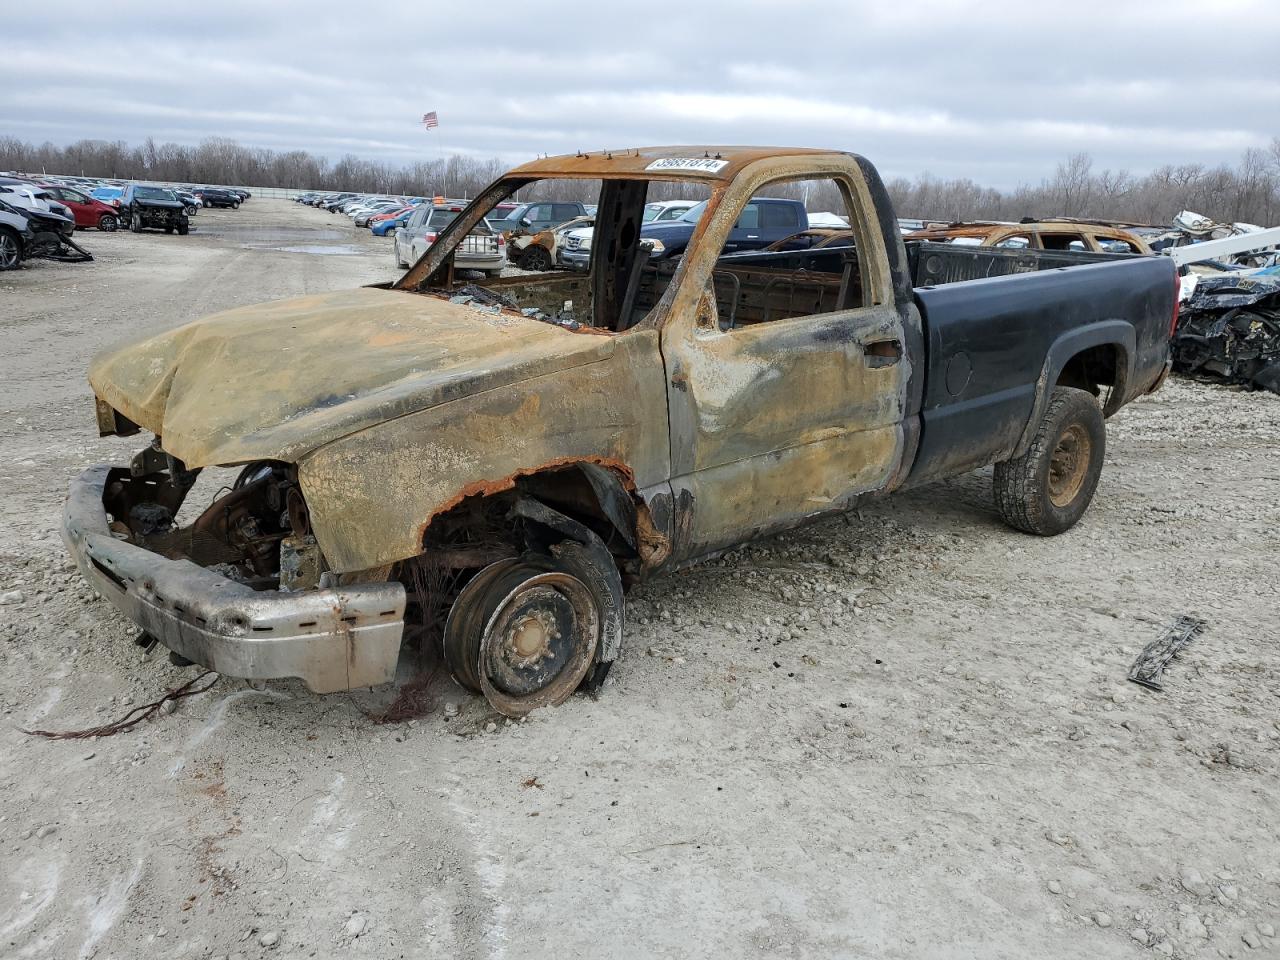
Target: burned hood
column 276, row 380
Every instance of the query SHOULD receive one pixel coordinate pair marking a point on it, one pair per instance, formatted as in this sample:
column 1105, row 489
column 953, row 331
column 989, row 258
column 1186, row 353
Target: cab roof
column 698, row 162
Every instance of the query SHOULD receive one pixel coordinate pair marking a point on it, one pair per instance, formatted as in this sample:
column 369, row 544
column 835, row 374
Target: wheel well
column 496, row 523
column 1092, row 369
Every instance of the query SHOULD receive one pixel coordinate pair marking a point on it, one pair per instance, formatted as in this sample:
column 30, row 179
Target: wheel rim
column 1069, row 465
column 540, row 641
column 108, row 223
column 8, row 251
column 522, row 634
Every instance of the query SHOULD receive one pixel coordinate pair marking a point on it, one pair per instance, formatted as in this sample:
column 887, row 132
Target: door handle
column 882, row 353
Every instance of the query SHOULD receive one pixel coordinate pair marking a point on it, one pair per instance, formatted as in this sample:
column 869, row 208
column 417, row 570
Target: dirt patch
column 903, row 732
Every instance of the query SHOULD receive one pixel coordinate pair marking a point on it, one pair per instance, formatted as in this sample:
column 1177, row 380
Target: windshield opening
column 154, row 193
column 576, row 253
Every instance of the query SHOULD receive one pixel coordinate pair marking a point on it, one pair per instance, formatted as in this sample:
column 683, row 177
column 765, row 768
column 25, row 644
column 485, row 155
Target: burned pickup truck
column 487, row 465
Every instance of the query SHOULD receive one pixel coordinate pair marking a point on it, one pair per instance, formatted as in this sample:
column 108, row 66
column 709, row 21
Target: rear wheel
column 10, row 250
column 524, row 632
column 108, row 223
column 1047, row 490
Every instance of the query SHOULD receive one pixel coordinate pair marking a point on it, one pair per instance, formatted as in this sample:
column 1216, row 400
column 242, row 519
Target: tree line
column 1248, row 190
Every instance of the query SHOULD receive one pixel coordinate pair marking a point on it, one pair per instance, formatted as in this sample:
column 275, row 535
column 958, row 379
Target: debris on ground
column 134, row 716
column 1156, row 655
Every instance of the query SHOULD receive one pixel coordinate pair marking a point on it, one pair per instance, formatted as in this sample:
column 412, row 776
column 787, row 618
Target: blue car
column 386, row 227
column 762, row 221
column 109, row 195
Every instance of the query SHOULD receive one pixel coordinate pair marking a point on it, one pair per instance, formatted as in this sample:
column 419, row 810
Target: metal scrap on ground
column 1155, row 656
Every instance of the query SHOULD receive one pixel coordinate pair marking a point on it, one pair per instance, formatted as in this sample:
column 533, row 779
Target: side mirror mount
column 526, row 222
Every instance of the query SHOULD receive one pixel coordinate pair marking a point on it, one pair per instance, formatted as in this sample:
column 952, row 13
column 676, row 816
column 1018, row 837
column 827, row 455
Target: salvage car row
column 39, row 215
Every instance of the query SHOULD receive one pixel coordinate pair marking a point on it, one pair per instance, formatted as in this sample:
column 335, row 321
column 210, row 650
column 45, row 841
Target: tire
column 183, row 229
column 135, row 223
column 10, row 249
column 235, row 205
column 536, row 258
column 493, row 274
column 1047, row 490
column 169, row 229
column 399, row 259
column 204, row 203
column 524, row 632
column 108, row 223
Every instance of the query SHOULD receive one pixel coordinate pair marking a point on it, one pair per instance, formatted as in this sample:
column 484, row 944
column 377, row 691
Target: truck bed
column 1002, row 327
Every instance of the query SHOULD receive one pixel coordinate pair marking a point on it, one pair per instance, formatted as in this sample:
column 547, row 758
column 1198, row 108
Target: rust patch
column 487, row 488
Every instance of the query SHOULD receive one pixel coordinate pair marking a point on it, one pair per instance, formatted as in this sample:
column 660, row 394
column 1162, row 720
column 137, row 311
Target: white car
column 34, row 198
column 14, row 236
column 371, row 204
column 574, row 249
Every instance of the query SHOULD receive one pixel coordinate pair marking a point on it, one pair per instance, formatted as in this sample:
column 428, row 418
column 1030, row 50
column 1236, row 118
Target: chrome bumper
column 333, row 639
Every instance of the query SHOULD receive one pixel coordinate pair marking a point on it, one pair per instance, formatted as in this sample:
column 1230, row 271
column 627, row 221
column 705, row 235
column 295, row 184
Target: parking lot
column 902, row 732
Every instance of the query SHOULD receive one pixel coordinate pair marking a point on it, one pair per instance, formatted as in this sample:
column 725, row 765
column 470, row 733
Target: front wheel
column 135, row 223
column 536, row 258
column 524, row 632
column 108, row 223
column 183, row 229
column 235, row 205
column 1047, row 490
column 10, row 250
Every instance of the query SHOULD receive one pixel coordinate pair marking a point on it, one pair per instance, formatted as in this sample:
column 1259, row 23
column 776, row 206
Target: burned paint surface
column 991, row 233
column 277, row 380
column 783, row 420
column 371, row 494
column 396, row 403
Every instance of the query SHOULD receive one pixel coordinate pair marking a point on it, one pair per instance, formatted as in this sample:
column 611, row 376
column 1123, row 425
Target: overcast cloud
column 994, row 91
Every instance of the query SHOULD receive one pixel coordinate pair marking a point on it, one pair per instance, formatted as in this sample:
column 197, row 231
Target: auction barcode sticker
column 705, row 164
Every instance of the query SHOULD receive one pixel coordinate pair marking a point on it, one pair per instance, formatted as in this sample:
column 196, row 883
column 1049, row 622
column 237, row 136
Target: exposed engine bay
column 256, row 532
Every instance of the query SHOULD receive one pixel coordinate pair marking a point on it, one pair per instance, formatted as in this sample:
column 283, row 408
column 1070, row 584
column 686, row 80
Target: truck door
column 786, row 386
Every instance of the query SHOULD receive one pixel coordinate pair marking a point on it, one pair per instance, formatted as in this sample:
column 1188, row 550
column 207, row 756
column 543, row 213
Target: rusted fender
column 372, row 494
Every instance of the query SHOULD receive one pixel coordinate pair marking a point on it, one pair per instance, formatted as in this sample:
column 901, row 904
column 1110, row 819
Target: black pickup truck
column 503, row 457
column 158, row 207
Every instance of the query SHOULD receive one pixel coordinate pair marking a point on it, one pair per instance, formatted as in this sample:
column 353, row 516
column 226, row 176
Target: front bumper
column 576, row 259
column 333, row 639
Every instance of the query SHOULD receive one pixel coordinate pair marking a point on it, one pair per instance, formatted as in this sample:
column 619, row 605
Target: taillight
column 502, row 241
column 431, row 238
column 1177, row 303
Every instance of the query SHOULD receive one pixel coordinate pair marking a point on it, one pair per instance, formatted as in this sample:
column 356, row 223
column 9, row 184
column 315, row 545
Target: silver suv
column 483, row 249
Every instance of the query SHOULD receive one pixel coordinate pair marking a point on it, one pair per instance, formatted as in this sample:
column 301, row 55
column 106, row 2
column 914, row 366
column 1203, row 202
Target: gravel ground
column 903, row 732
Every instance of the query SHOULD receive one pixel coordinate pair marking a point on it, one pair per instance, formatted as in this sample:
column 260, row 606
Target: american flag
column 430, row 120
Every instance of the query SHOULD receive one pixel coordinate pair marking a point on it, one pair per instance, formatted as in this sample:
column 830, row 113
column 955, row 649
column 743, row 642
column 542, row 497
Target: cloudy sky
column 994, row 91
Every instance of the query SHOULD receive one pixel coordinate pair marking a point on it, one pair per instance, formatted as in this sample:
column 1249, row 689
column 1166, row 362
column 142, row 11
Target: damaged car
column 1229, row 329
column 157, row 208
column 485, row 467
